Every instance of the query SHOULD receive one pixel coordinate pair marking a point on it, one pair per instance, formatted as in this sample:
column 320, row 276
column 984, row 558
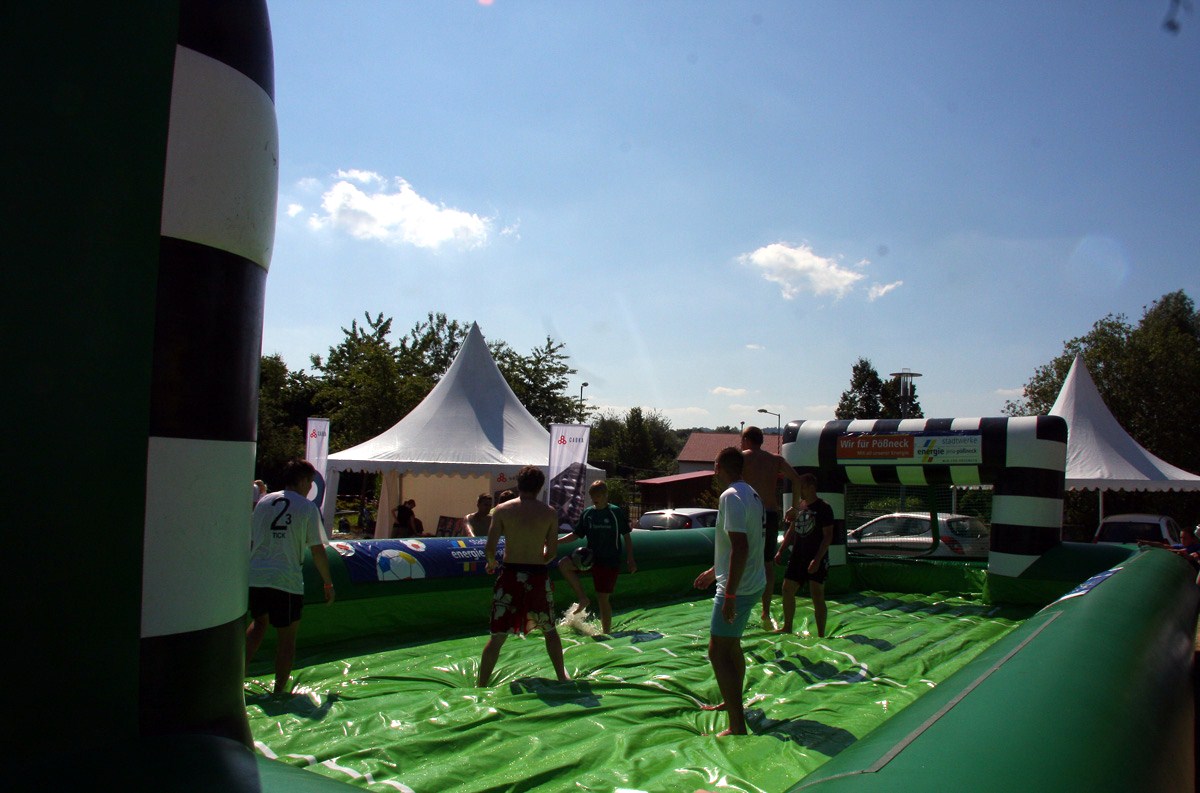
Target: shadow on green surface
column 810, row 734
column 555, row 693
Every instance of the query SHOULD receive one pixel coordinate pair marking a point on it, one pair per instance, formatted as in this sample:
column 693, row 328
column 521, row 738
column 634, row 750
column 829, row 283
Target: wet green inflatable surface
column 388, row 716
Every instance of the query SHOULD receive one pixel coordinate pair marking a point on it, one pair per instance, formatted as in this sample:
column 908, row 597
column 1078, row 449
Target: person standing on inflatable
column 738, row 571
column 606, row 529
column 811, row 532
column 282, row 526
column 522, row 597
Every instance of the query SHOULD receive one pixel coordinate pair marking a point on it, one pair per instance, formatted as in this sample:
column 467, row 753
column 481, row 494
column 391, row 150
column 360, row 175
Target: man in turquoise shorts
column 738, row 569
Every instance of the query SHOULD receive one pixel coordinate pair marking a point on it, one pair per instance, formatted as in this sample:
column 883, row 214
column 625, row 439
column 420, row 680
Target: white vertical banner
column 316, row 451
column 567, row 476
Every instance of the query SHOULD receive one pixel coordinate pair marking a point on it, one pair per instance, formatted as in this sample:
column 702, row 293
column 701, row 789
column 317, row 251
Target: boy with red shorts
column 606, row 529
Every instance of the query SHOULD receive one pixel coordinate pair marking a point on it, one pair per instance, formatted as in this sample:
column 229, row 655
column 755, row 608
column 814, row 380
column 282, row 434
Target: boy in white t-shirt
column 282, row 526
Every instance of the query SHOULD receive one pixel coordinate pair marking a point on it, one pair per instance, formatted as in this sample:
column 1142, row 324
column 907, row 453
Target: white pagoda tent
column 470, row 435
column 1101, row 455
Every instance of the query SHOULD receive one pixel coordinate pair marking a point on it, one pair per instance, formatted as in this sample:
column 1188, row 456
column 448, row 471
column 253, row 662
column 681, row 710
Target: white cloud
column 799, row 269
column 723, row 391
column 362, row 177
column 879, row 290
column 755, row 347
column 395, row 214
column 294, row 209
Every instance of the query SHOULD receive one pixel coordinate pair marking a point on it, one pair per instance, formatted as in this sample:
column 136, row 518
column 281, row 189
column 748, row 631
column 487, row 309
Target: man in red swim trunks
column 522, row 598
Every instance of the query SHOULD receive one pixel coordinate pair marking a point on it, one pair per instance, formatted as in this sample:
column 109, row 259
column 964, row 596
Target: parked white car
column 682, row 518
column 908, row 534
column 1133, row 528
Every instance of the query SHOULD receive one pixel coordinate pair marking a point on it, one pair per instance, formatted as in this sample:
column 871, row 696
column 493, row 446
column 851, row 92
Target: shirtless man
column 476, row 524
column 522, row 596
column 762, row 472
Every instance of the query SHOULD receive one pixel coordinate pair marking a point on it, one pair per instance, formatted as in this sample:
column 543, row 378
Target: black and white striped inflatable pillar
column 1024, row 459
column 218, row 226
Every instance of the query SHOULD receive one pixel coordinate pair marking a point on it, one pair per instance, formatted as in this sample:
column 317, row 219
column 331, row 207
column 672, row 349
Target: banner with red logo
column 316, row 451
column 567, row 477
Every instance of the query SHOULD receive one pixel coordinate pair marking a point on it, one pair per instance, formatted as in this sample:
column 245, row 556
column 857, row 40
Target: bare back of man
column 529, row 528
column 762, row 470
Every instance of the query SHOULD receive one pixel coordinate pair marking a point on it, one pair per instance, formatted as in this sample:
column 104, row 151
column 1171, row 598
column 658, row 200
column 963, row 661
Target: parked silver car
column 682, row 518
column 908, row 534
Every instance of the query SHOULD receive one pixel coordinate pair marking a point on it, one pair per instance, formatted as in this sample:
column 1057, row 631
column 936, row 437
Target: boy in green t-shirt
column 604, row 526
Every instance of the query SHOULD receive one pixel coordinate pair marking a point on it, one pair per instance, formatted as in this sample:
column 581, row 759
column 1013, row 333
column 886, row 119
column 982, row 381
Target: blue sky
column 721, row 206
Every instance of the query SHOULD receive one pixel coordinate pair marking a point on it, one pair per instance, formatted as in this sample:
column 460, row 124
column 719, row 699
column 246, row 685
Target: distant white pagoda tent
column 1101, row 455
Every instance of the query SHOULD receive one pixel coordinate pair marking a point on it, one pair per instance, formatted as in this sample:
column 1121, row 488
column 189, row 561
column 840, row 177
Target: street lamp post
column 581, row 387
column 906, row 389
column 778, row 426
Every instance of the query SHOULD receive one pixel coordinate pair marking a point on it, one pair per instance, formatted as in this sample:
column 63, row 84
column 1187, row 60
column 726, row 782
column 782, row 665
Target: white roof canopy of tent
column 1101, row 455
column 471, row 422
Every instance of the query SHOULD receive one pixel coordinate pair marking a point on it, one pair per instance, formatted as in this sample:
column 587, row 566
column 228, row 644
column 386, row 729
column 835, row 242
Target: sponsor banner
column 567, row 477
column 415, row 557
column 316, row 451
column 949, row 447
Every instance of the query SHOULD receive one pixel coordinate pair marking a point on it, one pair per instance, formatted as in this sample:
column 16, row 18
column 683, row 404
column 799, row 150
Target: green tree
column 540, row 381
column 870, row 397
column 430, row 346
column 639, row 444
column 362, row 387
column 285, row 401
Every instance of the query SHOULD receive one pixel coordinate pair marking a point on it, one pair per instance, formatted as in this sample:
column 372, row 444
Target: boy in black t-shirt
column 606, row 529
column 811, row 529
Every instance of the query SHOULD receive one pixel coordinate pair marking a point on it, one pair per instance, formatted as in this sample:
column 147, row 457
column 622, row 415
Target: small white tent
column 1101, row 455
column 470, row 435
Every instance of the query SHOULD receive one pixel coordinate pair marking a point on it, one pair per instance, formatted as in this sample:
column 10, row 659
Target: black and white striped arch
column 1024, row 459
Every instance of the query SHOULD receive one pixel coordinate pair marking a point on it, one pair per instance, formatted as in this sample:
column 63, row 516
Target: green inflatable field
column 921, row 687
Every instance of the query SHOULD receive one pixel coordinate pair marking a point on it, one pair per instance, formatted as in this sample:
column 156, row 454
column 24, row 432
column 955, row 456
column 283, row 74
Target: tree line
column 1148, row 374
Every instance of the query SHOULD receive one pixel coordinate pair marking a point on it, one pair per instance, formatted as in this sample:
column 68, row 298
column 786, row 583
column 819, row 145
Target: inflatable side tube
column 437, row 586
column 1092, row 693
